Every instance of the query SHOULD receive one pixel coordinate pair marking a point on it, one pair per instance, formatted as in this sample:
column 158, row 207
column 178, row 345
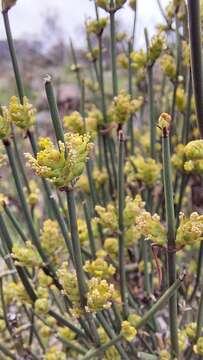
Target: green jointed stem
column 15, row 223
column 171, row 236
column 151, row 103
column 161, row 302
column 13, row 56
column 200, row 317
column 54, row 109
column 196, row 57
column 76, row 247
column 121, row 200
column 113, row 51
column 89, row 229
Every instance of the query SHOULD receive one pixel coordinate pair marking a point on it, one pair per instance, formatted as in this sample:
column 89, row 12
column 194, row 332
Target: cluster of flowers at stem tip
column 22, row 115
column 100, row 292
column 144, row 170
column 52, row 244
column 92, row 122
column 123, row 106
column 189, row 158
column 141, row 223
column 62, row 166
column 141, row 59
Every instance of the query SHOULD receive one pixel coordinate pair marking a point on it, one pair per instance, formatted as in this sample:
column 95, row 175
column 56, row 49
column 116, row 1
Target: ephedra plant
column 101, row 225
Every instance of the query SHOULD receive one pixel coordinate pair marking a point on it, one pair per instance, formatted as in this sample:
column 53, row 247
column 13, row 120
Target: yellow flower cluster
column 5, row 123
column 51, row 240
column 15, row 292
column 42, row 306
column 190, row 330
column 122, row 60
column 139, row 169
column 151, row 228
column 190, row 230
column 157, row 45
column 74, row 123
column 164, row 121
column 178, row 157
column 164, row 355
column 194, row 155
column 26, row 255
column 134, row 319
column 69, row 282
column 139, row 59
column 99, row 268
column 181, row 100
column 54, row 354
column 198, row 348
column 100, row 294
column 33, row 196
column 111, row 246
column 66, row 333
column 168, row 66
column 122, row 107
column 65, row 165
column 96, row 26
column 22, row 115
column 93, row 54
column 128, row 331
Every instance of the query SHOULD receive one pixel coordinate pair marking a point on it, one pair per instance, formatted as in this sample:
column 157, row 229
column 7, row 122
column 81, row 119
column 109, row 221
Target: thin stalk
column 121, row 200
column 13, row 55
column 15, row 223
column 130, row 121
column 54, row 109
column 64, row 322
column 95, row 352
column 76, row 64
column 178, row 63
column 26, row 209
column 161, row 302
column 196, row 57
column 199, row 270
column 76, row 246
column 171, row 237
column 200, row 317
column 89, row 229
column 71, row 345
column 113, row 52
column 186, row 126
column 151, row 104
column 110, row 332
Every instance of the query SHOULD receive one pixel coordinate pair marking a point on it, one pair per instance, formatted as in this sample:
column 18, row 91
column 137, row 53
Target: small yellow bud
column 164, row 121
column 198, row 348
column 23, row 115
column 41, row 306
column 5, row 124
column 194, row 150
column 128, row 331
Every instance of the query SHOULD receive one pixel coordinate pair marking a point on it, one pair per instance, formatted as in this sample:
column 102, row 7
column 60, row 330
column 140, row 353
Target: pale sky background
column 27, row 17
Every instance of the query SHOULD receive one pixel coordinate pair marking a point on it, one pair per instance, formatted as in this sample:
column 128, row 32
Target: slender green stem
column 64, row 322
column 151, row 104
column 121, row 200
column 110, row 332
column 196, row 57
column 15, row 223
column 13, row 56
column 89, row 229
column 95, row 352
column 130, row 121
column 161, row 302
column 200, row 317
column 77, row 69
column 76, row 246
column 171, row 236
column 54, row 109
column 113, row 53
